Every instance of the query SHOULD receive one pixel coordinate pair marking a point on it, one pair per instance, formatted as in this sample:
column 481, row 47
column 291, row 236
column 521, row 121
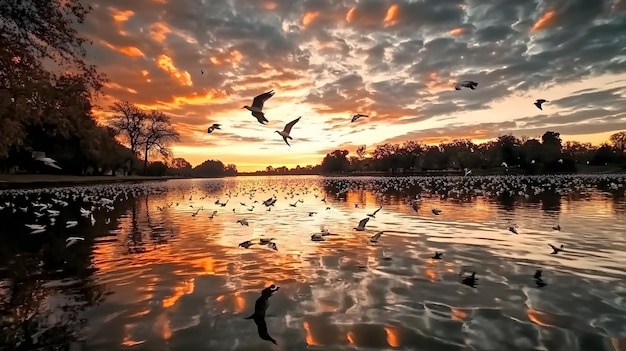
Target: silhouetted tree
column 156, row 135
column 336, row 162
column 618, row 140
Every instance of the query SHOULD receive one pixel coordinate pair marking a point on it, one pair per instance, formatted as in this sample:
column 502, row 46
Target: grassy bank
column 16, row 181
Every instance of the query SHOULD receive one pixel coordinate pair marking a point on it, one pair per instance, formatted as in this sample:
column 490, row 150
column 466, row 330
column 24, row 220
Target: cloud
column 394, row 60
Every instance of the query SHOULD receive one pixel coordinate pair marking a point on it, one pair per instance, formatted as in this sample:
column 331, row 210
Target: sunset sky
column 394, row 60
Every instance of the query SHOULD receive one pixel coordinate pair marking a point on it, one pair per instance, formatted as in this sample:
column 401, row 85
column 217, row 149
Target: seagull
column 512, row 229
column 557, row 227
column 362, row 223
column 201, row 72
column 243, row 222
column 41, row 156
column 213, row 127
column 467, row 84
column 287, row 130
column 257, row 106
column 436, row 211
column 375, row 237
column 373, row 215
column 539, row 102
column 70, row 224
column 317, row 237
column 73, row 240
column 357, row 116
column 556, row 250
column 437, row 255
column 246, row 244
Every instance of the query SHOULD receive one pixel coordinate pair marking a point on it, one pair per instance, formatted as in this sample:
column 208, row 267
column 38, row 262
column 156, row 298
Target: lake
column 151, row 275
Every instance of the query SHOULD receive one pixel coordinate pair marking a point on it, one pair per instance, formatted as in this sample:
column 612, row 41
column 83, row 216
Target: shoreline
column 23, row 181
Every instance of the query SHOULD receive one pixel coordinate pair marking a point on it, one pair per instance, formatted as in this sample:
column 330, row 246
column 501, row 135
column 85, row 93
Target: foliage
column 145, row 132
column 548, row 154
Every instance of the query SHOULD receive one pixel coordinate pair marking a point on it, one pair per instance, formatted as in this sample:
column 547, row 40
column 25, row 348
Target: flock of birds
column 40, row 208
column 259, row 101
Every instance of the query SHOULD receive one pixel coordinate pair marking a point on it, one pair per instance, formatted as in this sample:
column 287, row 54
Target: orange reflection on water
column 240, row 303
column 128, row 340
column 458, row 315
column 185, row 288
column 431, row 274
column 162, row 326
column 539, row 317
column 308, row 335
column 350, row 337
column 392, row 337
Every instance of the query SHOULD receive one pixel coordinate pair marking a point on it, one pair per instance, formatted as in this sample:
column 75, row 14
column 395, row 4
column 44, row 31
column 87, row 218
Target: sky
column 396, row 61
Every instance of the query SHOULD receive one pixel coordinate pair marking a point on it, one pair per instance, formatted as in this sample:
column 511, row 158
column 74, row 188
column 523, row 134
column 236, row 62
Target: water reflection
column 156, row 273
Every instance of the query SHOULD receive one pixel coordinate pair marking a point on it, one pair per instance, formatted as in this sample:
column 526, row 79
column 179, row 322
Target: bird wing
column 260, row 116
column 377, row 235
column 363, row 222
column 286, row 142
column 354, row 118
column 375, row 212
column 261, row 326
column 458, row 86
column 553, row 247
column 259, row 100
column 290, row 125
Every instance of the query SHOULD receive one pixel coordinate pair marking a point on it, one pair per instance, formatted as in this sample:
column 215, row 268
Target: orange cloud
column 392, row 15
column 350, row 15
column 457, row 31
column 233, row 58
column 544, row 21
column 112, row 85
column 122, row 16
column 435, row 83
column 165, row 63
column 270, row 5
column 129, row 51
column 309, row 17
column 159, row 31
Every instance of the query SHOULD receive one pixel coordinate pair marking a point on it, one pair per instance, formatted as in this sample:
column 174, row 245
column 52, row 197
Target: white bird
column 362, row 223
column 357, row 116
column 73, row 240
column 287, row 130
column 375, row 237
column 70, row 224
column 41, row 156
column 539, row 102
column 467, row 84
column 257, row 106
column 503, row 164
column 560, row 160
column 36, row 228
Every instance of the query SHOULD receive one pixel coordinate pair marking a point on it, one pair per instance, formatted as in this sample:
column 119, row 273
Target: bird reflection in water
column 470, row 280
column 538, row 280
column 260, row 306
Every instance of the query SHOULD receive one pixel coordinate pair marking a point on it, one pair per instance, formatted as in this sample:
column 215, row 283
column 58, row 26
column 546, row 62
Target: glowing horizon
column 395, row 61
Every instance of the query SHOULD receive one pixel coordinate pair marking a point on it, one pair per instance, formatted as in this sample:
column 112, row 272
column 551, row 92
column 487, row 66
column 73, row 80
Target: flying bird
column 257, row 106
column 362, row 223
column 213, row 127
column 467, row 84
column 357, row 116
column 375, row 237
column 556, row 250
column 373, row 214
column 201, row 72
column 539, row 102
column 41, row 157
column 287, row 130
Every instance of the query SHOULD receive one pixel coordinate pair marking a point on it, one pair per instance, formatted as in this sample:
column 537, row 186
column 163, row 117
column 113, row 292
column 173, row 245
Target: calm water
column 147, row 278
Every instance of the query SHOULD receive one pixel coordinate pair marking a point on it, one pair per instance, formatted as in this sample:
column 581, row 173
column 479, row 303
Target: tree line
column 528, row 155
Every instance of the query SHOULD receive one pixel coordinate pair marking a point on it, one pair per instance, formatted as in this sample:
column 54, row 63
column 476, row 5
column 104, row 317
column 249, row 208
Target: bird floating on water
column 539, row 102
column 213, row 127
column 285, row 132
column 556, row 250
column 357, row 116
column 437, row 255
column 466, row 84
column 257, row 106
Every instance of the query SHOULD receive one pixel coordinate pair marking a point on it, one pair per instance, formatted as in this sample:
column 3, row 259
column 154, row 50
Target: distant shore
column 19, row 181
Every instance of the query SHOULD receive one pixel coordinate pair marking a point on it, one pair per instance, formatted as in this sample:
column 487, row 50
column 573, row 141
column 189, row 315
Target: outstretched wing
column 260, row 99
column 377, row 236
column 286, row 142
column 363, row 222
column 553, row 247
column 290, row 125
column 380, row 208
